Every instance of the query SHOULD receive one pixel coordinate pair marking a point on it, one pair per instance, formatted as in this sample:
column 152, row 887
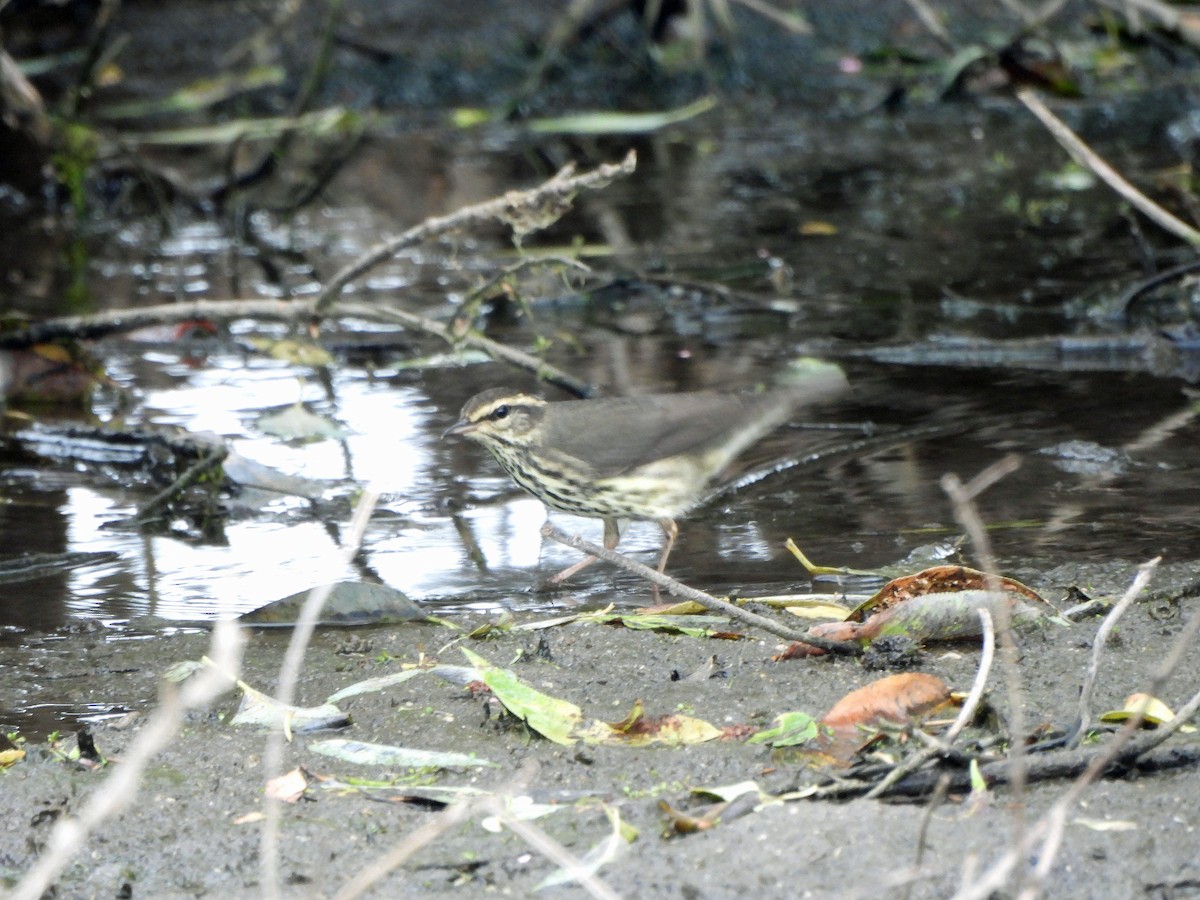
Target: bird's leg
column 670, row 531
column 612, row 536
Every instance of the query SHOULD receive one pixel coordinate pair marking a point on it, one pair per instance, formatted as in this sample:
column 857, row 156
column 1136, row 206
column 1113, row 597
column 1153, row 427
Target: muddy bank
column 185, row 835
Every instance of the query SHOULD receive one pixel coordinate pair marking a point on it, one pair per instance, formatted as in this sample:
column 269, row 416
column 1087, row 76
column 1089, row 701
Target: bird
column 649, row 457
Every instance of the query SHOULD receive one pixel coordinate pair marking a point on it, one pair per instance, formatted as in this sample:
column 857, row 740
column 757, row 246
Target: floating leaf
column 365, row 754
column 290, row 350
column 315, row 123
column 297, row 423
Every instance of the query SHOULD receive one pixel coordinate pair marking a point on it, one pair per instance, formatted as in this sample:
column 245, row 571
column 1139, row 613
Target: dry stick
column 1145, row 571
column 679, row 589
column 968, row 516
column 939, row 796
column 552, row 850
column 967, row 713
column 289, row 672
column 1122, row 748
column 121, row 786
column 1087, row 157
column 548, row 199
column 501, row 352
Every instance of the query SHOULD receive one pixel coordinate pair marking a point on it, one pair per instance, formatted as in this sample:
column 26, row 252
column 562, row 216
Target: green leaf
column 789, row 729
column 555, row 719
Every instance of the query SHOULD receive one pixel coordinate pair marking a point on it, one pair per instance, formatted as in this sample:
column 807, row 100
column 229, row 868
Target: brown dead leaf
column 896, row 698
column 289, row 788
column 939, row 580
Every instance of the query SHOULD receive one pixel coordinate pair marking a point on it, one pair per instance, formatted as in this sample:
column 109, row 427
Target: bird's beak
column 462, row 426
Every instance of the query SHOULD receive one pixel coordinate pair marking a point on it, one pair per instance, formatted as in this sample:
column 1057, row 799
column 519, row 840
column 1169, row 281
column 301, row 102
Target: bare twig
column 524, row 210
column 1122, row 748
column 497, row 351
column 1145, row 571
column 289, row 672
column 967, row 713
column 679, row 589
column 968, row 516
column 1087, row 157
column 121, row 787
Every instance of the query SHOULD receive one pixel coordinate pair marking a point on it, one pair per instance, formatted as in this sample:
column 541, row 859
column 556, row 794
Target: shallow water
column 927, row 240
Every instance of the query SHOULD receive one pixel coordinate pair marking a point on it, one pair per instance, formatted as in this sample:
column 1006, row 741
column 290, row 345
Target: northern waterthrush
column 647, row 458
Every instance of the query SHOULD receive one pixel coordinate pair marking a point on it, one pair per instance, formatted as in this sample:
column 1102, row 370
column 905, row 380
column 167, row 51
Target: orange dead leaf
column 896, row 698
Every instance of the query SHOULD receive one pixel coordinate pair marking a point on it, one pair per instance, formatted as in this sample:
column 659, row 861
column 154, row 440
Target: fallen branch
column 679, row 589
column 524, row 211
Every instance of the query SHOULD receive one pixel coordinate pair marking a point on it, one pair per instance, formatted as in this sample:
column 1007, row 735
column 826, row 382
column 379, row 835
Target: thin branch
column 967, row 713
column 289, row 672
column 679, row 589
column 1088, row 158
column 121, row 786
column 1145, row 571
column 525, row 210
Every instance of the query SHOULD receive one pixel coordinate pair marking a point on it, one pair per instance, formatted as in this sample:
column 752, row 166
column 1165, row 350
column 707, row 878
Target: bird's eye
column 500, row 412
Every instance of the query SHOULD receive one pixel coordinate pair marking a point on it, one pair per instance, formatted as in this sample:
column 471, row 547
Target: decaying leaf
column 289, row 787
column 937, row 604
column 260, row 709
column 387, row 756
column 895, row 699
column 1152, row 710
column 854, row 721
column 941, row 580
column 564, row 722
